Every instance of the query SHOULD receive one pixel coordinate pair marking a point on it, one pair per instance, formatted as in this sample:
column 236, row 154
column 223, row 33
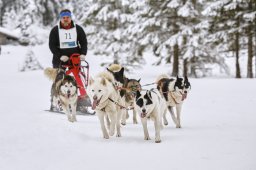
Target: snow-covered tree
column 48, row 11
column 30, row 62
column 106, row 23
column 1, row 11
column 5, row 4
column 10, row 18
column 231, row 20
column 249, row 26
column 174, row 31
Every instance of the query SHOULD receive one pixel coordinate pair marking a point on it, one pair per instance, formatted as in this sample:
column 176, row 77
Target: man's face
column 66, row 20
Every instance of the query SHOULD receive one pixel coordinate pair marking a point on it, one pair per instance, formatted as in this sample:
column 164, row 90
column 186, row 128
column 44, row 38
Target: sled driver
column 67, row 38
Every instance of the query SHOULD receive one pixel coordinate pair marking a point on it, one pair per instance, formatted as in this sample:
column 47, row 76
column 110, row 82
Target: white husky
column 103, row 96
column 150, row 104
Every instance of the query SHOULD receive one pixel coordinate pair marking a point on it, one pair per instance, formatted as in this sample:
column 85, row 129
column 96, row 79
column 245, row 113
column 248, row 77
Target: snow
column 173, row 4
column 13, row 34
column 218, row 119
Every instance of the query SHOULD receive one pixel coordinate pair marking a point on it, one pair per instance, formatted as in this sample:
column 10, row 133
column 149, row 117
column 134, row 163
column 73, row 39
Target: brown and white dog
column 174, row 91
column 131, row 86
column 63, row 92
column 127, row 90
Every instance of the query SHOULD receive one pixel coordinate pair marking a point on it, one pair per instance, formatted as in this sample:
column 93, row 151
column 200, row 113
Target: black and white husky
column 63, row 92
column 150, row 105
column 174, row 91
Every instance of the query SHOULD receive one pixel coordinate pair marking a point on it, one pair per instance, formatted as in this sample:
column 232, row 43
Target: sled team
column 111, row 93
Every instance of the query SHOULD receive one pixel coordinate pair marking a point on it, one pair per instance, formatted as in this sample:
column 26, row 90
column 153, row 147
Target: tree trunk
column 175, row 68
column 255, row 45
column 250, row 52
column 250, row 44
column 46, row 14
column 185, row 67
column 115, row 58
column 238, row 72
column 2, row 7
column 254, row 9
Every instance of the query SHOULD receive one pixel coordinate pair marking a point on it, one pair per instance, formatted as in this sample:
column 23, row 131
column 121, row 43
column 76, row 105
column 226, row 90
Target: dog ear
column 103, row 82
column 91, row 81
column 110, row 71
column 186, row 78
column 138, row 94
column 122, row 71
column 139, row 80
column 149, row 94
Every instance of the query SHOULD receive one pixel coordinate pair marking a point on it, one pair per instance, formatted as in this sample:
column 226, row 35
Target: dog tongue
column 94, row 104
column 184, row 96
column 142, row 115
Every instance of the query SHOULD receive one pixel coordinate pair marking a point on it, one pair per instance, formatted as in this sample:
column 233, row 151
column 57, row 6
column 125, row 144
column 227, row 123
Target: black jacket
column 54, row 44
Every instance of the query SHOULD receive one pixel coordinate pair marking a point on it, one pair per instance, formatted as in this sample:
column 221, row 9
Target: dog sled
column 79, row 70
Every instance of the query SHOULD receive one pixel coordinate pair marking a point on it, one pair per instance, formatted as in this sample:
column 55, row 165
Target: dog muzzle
column 95, row 102
column 68, row 94
column 143, row 114
column 184, row 96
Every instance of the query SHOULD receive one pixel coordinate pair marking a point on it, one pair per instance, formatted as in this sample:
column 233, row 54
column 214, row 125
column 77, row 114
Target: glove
column 64, row 58
column 82, row 57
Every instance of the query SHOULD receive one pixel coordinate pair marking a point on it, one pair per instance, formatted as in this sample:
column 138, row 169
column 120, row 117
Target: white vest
column 68, row 37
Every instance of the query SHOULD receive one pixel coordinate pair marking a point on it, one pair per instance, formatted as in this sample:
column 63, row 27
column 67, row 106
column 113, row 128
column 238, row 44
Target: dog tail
column 51, row 73
column 162, row 77
column 106, row 75
column 115, row 67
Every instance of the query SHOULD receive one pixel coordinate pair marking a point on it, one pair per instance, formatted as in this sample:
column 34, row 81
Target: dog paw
column 111, row 133
column 178, row 126
column 165, row 123
column 158, row 141
column 123, row 123
column 70, row 119
column 105, row 136
column 147, row 138
column 74, row 119
column 118, row 135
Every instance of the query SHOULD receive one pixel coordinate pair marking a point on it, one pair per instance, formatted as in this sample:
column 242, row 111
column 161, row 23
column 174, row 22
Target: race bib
column 68, row 38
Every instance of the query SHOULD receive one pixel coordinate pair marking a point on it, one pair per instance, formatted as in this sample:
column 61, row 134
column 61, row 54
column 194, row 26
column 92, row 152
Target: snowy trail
column 218, row 120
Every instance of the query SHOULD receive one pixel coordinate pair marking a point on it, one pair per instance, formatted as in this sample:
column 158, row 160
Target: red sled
column 79, row 69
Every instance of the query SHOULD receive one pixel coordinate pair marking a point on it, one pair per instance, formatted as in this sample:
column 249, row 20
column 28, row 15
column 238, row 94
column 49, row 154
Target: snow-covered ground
column 218, row 120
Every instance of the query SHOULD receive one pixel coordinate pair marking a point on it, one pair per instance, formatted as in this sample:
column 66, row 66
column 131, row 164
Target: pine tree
column 233, row 21
column 31, row 62
column 107, row 23
column 10, row 18
column 225, row 27
column 249, row 21
column 4, row 4
column 173, row 30
column 48, row 11
column 1, row 12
